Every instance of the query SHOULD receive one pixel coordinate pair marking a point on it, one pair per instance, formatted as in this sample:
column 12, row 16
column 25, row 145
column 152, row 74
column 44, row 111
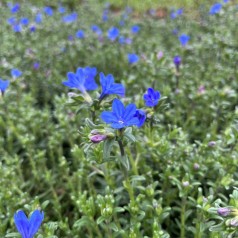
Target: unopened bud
column 223, row 211
column 177, row 60
column 185, row 183
column 234, row 222
column 212, row 143
column 98, row 138
column 196, row 166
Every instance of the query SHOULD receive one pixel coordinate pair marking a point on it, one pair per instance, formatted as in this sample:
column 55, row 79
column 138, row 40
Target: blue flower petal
column 133, row 122
column 117, row 125
column 109, row 117
column 117, row 89
column 22, row 223
column 129, row 112
column 35, row 222
column 118, row 108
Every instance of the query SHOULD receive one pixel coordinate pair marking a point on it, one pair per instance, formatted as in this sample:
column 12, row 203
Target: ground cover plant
column 118, row 123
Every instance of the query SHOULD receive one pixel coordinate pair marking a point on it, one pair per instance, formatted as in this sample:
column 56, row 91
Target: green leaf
column 119, row 209
column 113, row 226
column 84, row 221
column 125, row 162
column 15, row 234
column 107, row 147
column 135, row 178
column 100, row 220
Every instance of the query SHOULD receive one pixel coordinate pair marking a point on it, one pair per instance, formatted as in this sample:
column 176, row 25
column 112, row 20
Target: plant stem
column 183, row 210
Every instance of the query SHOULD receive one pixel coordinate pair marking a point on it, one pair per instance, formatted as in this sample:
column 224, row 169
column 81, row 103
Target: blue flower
column 80, row 34
column 24, row 21
column 184, row 39
column 38, row 18
column 105, row 15
column 180, row 11
column 141, row 115
column 70, row 18
column 133, row 58
column 122, row 23
column 121, row 116
column 128, row 41
column 96, row 29
column 174, row 14
column 226, row 1
column 152, row 97
column 113, row 33
column 122, row 40
column 70, row 38
column 109, row 87
column 28, row 227
column 215, row 8
column 15, row 8
column 11, row 20
column 61, row 9
column 4, row 85
column 135, row 29
column 177, row 60
column 17, row 28
column 36, row 65
column 32, row 28
column 16, row 73
column 175, row 31
column 48, row 11
column 82, row 80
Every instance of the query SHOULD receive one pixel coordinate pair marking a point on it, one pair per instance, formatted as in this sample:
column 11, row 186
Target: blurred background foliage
column 47, row 160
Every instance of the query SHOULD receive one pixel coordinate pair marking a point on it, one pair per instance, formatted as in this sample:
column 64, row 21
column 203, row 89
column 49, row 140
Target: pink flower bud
column 98, row 138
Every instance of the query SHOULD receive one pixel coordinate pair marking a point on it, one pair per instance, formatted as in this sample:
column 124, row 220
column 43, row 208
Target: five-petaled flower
column 184, row 39
column 16, row 73
column 3, row 85
column 152, row 97
column 113, row 33
column 215, row 8
column 121, row 116
column 83, row 79
column 133, row 58
column 109, row 87
column 96, row 29
column 80, row 34
column 135, row 29
column 28, row 227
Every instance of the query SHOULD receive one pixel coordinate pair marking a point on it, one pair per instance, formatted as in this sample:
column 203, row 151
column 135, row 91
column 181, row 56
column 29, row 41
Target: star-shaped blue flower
column 48, row 11
column 96, row 29
column 15, row 8
column 28, row 227
column 109, row 87
column 215, row 8
column 184, row 39
column 4, row 85
column 82, row 80
column 16, row 73
column 133, row 58
column 113, row 33
column 80, row 34
column 70, row 18
column 121, row 116
column 152, row 97
column 135, row 29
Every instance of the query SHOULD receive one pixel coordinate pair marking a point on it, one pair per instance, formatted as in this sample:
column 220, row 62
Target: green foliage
column 165, row 179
